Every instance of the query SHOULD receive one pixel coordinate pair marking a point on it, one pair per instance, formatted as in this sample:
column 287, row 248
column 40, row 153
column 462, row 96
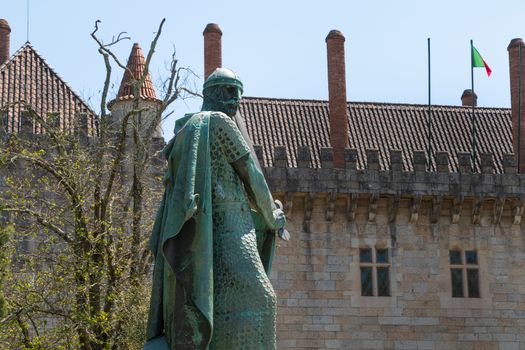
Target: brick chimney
column 468, row 98
column 335, row 47
column 518, row 117
column 212, row 48
column 5, row 31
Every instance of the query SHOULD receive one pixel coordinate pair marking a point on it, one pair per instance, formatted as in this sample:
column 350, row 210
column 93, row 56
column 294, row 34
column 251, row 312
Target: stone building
column 395, row 244
column 26, row 79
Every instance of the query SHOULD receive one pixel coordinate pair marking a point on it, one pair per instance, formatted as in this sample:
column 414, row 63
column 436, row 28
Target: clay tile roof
column 135, row 65
column 27, row 78
column 382, row 126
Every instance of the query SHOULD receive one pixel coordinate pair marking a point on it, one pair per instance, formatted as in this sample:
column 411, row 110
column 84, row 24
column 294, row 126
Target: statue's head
column 222, row 92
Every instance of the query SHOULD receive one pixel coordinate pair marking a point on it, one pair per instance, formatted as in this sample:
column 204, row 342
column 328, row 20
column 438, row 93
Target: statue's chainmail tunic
column 244, row 300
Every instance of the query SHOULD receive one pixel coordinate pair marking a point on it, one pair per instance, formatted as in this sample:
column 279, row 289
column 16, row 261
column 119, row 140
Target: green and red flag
column 478, row 61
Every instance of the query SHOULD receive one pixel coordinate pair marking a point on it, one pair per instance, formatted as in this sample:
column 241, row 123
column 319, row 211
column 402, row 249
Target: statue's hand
column 279, row 219
column 281, row 231
column 279, row 223
column 283, row 234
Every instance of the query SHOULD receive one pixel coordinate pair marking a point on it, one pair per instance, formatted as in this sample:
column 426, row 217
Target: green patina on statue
column 210, row 285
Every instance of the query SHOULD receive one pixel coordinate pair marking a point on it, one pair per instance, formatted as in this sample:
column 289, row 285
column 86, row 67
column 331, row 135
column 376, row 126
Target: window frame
column 375, row 265
column 467, row 290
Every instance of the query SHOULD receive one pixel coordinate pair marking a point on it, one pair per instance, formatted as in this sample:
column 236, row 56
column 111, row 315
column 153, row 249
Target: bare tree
column 85, row 207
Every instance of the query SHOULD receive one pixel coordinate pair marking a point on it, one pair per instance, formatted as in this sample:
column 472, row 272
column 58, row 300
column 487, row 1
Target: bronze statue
column 210, row 287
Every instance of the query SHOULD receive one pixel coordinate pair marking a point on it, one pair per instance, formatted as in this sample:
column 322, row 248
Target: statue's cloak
column 182, row 239
column 182, row 235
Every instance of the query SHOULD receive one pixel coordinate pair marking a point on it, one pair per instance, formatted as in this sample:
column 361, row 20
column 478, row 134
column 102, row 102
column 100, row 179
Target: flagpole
column 27, row 19
column 429, row 149
column 518, row 153
column 473, row 116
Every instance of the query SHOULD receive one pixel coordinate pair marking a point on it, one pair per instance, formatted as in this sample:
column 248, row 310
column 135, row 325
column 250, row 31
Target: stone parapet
column 478, row 189
column 283, row 178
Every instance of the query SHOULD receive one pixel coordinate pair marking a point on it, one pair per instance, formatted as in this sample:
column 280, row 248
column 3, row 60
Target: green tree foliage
column 76, row 268
column 5, row 231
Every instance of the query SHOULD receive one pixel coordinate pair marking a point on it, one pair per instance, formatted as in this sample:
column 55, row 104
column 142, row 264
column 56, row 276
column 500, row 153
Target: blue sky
column 278, row 47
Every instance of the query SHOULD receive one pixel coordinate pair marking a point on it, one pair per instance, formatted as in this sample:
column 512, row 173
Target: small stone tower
column 146, row 122
column 149, row 103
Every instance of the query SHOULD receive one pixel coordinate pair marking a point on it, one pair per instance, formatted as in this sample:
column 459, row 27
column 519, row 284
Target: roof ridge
column 284, row 99
column 423, row 105
column 27, row 43
column 369, row 103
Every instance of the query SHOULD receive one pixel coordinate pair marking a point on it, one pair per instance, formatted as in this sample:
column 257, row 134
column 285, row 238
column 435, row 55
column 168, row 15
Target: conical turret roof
column 136, row 64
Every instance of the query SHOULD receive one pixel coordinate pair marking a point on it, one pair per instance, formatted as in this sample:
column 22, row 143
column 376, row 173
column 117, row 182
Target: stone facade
column 340, row 201
column 418, row 216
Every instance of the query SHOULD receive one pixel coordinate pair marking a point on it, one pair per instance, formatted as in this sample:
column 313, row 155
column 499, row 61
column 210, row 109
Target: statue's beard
column 229, row 107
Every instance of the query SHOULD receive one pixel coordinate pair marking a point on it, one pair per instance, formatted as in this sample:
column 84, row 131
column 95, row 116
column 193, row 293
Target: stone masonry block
column 351, row 158
column 327, row 157
column 280, row 156
column 420, row 161
column 509, row 163
column 372, row 159
column 465, row 162
column 442, row 162
column 487, row 163
column 396, row 160
column 304, row 157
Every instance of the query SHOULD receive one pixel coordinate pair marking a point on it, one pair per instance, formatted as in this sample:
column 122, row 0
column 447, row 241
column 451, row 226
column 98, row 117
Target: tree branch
column 104, row 47
column 116, row 162
column 150, row 54
column 41, row 220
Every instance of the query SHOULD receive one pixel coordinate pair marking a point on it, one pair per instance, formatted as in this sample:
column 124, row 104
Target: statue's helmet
column 223, row 76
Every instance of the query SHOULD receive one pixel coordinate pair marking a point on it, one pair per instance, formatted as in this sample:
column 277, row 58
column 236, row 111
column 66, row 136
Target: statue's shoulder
column 222, row 120
column 219, row 116
column 211, row 116
column 183, row 126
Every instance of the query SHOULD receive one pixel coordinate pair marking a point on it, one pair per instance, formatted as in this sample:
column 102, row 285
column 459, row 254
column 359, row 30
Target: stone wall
column 419, row 217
